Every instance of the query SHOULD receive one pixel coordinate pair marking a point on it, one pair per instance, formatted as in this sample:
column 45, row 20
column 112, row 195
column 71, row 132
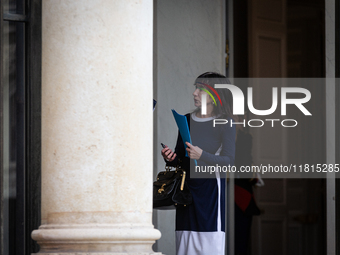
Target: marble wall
column 189, row 40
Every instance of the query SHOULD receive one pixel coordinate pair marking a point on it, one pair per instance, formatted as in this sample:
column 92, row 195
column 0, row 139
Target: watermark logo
column 204, row 97
column 238, row 103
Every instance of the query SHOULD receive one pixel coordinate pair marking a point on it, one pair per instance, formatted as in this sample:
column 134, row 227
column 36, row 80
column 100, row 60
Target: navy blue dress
column 200, row 227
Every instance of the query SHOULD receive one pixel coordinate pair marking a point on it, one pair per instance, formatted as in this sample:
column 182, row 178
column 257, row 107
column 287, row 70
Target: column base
column 101, row 253
column 94, row 239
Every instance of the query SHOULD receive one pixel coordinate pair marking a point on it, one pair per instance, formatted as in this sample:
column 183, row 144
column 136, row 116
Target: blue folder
column 183, row 127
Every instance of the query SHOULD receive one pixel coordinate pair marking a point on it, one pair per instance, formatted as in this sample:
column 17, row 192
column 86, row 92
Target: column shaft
column 97, row 127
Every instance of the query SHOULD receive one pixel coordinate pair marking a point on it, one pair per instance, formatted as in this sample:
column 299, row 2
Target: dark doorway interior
column 301, row 226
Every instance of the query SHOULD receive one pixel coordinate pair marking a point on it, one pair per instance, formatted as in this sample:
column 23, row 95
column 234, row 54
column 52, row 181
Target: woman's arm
column 179, row 153
column 168, row 154
column 227, row 154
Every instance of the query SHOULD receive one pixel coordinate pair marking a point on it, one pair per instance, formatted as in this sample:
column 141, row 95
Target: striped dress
column 200, row 227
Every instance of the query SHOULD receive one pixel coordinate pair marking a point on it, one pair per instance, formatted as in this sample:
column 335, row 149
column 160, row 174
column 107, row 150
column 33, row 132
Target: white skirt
column 200, row 243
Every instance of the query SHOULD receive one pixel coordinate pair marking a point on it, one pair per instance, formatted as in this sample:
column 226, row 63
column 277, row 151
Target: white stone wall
column 189, row 40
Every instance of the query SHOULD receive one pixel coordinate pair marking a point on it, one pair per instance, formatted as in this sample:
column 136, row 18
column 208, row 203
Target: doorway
column 279, row 39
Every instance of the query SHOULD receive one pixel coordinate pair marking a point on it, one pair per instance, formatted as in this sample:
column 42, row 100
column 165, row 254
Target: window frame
column 337, row 125
column 30, row 183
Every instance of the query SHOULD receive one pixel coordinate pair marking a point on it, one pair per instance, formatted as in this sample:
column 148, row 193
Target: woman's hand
column 168, row 154
column 194, row 152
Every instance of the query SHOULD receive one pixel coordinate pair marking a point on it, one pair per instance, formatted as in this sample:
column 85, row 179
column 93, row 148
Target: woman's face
column 198, row 95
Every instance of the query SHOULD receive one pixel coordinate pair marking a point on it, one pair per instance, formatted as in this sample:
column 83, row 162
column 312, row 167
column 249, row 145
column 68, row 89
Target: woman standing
column 200, row 227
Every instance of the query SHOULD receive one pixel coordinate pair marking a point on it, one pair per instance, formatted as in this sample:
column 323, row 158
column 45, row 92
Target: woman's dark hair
column 211, row 78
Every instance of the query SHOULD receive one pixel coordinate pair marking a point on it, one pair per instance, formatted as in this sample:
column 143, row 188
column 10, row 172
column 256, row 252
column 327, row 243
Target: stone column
column 97, row 127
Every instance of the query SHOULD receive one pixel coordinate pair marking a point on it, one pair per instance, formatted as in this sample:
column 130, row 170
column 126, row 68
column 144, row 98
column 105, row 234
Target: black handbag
column 170, row 189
